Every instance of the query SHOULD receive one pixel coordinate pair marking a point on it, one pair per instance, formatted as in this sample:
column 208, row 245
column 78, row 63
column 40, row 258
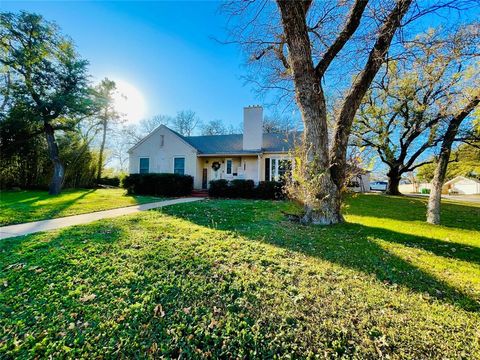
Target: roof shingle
column 233, row 144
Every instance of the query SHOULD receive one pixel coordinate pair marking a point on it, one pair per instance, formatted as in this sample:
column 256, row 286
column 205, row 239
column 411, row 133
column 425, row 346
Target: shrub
column 158, row 184
column 425, row 191
column 110, row 181
column 218, row 188
column 268, row 190
column 241, row 188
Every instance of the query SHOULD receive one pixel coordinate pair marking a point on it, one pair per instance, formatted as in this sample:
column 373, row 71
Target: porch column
column 259, row 168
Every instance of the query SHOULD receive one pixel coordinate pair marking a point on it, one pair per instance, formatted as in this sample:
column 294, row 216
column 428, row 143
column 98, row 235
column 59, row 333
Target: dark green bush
column 158, row 184
column 219, row 188
column 245, row 189
column 241, row 188
column 269, row 190
column 110, row 181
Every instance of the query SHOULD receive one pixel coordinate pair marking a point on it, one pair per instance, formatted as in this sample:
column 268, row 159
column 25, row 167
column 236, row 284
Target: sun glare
column 129, row 101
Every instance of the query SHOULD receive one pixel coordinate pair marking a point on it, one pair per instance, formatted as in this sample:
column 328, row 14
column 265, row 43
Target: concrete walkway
column 44, row 225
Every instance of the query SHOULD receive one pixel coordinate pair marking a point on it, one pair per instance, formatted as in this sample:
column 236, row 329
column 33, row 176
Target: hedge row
column 110, row 181
column 158, row 184
column 246, row 189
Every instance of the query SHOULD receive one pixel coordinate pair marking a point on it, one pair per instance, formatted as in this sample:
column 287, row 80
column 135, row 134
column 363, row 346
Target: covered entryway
column 228, row 168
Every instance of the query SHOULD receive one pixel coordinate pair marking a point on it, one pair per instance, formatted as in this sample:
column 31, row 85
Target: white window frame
column 144, row 157
column 184, row 163
column 274, row 174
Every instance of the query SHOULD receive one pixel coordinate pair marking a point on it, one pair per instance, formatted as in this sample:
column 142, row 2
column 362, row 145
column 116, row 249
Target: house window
column 179, row 165
column 229, row 166
column 162, row 140
column 144, row 167
column 278, row 168
column 284, row 166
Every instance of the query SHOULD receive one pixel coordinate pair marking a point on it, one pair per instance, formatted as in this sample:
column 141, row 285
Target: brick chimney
column 252, row 127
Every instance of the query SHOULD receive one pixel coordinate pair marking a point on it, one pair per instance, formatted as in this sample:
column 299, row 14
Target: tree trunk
column 58, row 169
column 433, row 211
column 341, row 134
column 102, row 149
column 322, row 205
column 393, row 182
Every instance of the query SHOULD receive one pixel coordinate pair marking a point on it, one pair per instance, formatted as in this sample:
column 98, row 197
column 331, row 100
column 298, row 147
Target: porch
column 228, row 168
column 256, row 167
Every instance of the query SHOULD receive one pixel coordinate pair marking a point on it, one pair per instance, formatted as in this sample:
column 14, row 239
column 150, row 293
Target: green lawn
column 23, row 206
column 234, row 279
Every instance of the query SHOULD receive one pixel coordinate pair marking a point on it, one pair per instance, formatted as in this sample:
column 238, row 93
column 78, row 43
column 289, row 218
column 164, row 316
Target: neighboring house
column 462, row 185
column 251, row 155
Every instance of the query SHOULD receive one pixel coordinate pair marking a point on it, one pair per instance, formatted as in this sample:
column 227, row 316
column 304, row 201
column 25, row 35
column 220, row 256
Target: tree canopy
column 406, row 112
column 46, row 80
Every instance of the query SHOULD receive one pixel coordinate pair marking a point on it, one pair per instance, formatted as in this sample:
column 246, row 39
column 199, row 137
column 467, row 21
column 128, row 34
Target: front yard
column 24, row 206
column 234, row 279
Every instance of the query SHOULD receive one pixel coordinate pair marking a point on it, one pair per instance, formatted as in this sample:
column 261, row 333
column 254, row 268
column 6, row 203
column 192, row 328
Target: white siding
column 161, row 157
column 239, row 163
column 251, row 168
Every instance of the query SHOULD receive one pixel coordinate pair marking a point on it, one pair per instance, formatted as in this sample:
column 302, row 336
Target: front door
column 204, row 178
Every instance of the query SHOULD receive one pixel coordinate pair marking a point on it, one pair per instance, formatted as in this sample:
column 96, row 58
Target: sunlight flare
column 129, row 101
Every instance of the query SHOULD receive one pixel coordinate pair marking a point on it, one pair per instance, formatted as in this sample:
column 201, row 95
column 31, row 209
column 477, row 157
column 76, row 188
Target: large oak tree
column 302, row 50
column 406, row 113
column 46, row 76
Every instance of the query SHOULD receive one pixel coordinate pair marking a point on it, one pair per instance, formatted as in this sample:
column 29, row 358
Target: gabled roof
column 233, row 144
column 456, row 178
column 153, row 133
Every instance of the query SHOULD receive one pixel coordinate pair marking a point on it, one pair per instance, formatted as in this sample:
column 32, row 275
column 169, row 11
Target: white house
column 462, row 185
column 251, row 155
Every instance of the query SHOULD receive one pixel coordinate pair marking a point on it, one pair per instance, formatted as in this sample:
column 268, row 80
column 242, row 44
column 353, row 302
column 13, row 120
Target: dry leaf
column 71, row 326
column 213, row 323
column 88, row 297
column 158, row 311
column 216, row 310
column 153, row 349
column 187, row 310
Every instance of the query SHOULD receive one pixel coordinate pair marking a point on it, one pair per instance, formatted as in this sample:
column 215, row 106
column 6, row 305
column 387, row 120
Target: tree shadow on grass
column 59, row 208
column 49, row 274
column 25, row 210
column 408, row 208
column 65, row 205
column 350, row 245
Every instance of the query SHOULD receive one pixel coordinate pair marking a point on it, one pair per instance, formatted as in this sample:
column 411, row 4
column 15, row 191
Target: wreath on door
column 215, row 165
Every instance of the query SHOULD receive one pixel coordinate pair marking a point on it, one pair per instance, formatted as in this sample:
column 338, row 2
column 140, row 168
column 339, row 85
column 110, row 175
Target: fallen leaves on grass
column 212, row 324
column 158, row 311
column 88, row 297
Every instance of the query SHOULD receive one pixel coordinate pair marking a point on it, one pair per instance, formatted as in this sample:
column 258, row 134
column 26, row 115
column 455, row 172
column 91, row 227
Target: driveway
column 461, row 198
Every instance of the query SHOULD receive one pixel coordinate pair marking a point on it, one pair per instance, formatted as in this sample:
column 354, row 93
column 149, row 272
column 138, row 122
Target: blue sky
column 164, row 49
